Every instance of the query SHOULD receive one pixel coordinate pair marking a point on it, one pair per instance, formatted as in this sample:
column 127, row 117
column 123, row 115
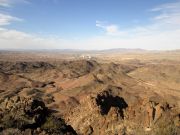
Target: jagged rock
column 98, row 113
column 145, row 113
column 106, row 112
column 22, row 113
column 159, row 111
column 28, row 116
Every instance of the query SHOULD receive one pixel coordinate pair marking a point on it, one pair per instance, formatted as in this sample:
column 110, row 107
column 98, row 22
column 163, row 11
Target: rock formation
column 98, row 113
column 20, row 115
column 107, row 112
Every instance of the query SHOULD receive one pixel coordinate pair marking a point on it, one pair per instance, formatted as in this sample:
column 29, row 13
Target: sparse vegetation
column 33, row 91
column 70, row 90
column 166, row 126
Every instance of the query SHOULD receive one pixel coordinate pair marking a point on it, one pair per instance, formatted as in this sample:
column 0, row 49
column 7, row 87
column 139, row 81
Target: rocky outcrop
column 107, row 112
column 20, row 115
column 150, row 117
column 98, row 113
column 146, row 112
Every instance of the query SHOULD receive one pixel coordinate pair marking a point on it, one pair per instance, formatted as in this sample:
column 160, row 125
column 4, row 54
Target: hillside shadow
column 108, row 101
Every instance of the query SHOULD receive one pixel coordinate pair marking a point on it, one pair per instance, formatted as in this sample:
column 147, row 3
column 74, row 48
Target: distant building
column 85, row 56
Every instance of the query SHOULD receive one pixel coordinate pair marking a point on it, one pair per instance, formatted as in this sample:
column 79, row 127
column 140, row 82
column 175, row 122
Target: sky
column 90, row 24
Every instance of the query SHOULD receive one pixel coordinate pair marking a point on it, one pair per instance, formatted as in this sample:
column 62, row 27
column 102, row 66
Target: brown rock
column 99, row 112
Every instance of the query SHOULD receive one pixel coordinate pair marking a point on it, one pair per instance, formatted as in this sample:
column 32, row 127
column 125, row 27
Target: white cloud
column 110, row 29
column 166, row 20
column 13, row 39
column 13, row 34
column 7, row 19
column 174, row 6
column 169, row 13
column 4, row 3
column 162, row 33
column 9, row 3
column 19, row 40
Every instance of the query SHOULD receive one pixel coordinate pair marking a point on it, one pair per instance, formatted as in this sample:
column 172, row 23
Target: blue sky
column 89, row 24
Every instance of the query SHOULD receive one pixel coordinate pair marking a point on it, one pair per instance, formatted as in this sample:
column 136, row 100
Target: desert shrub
column 51, row 123
column 7, row 122
column 56, row 125
column 166, row 126
column 166, row 129
column 49, row 100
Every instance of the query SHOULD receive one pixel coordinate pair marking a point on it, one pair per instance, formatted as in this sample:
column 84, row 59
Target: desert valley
column 110, row 92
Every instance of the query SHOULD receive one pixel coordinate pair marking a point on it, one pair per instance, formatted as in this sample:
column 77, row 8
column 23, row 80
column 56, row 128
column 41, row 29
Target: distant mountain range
column 115, row 50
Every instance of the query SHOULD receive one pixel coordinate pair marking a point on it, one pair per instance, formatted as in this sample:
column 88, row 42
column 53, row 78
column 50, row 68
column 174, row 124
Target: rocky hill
column 134, row 97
